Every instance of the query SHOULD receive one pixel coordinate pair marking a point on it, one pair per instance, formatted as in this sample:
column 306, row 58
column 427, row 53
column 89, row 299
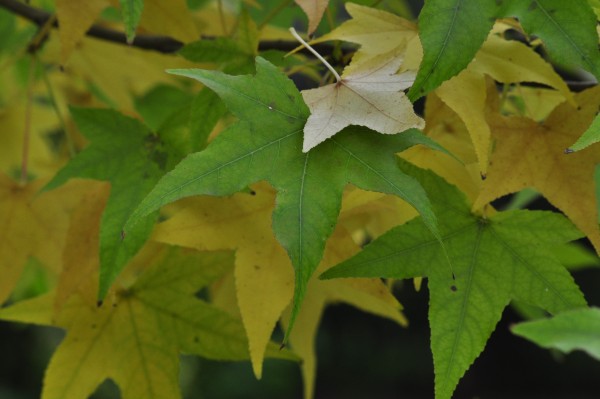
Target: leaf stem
column 27, row 127
column 333, row 71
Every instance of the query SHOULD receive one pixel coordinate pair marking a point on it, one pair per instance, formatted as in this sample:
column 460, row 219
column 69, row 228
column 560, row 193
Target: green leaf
column 574, row 256
column 266, row 144
column 159, row 103
column 567, row 331
column 589, row 137
column 131, row 10
column 451, row 32
column 127, row 154
column 567, row 28
column 206, row 110
column 494, row 259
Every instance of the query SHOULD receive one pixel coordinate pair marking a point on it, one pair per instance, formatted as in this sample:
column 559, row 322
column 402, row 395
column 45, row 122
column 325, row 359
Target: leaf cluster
column 196, row 210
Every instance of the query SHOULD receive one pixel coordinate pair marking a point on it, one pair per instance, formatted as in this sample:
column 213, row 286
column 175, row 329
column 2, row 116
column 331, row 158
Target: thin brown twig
column 161, row 44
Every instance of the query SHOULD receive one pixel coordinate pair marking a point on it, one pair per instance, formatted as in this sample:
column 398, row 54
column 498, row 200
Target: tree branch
column 162, row 44
column 169, row 45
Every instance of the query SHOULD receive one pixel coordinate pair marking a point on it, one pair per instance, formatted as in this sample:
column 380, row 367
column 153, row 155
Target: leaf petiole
column 312, row 50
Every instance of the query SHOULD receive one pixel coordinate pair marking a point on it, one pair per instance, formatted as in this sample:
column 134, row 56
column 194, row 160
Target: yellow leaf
column 373, row 213
column 370, row 96
column 169, row 18
column 444, row 126
column 529, row 154
column 42, row 160
column 369, row 295
column 466, row 94
column 506, row 61
column 118, row 72
column 510, row 61
column 378, row 32
column 75, row 18
column 79, row 262
column 242, row 223
column 32, row 225
column 314, row 10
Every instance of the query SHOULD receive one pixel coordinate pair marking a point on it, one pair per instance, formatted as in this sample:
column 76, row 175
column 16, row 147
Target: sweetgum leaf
column 567, row 331
column 266, row 144
column 124, row 152
column 451, row 32
column 136, row 339
column 495, row 260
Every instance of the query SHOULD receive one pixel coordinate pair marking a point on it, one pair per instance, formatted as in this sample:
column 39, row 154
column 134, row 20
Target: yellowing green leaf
column 370, row 96
column 314, row 10
column 75, row 18
column 528, row 154
column 134, row 337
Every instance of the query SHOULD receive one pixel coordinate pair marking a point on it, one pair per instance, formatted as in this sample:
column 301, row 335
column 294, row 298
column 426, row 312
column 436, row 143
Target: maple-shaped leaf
column 127, row 154
column 266, row 144
column 151, row 316
column 371, row 95
column 495, row 260
column 506, row 61
column 451, row 32
column 531, row 154
column 136, row 340
column 242, row 223
column 314, row 10
column 32, row 226
column 572, row 330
